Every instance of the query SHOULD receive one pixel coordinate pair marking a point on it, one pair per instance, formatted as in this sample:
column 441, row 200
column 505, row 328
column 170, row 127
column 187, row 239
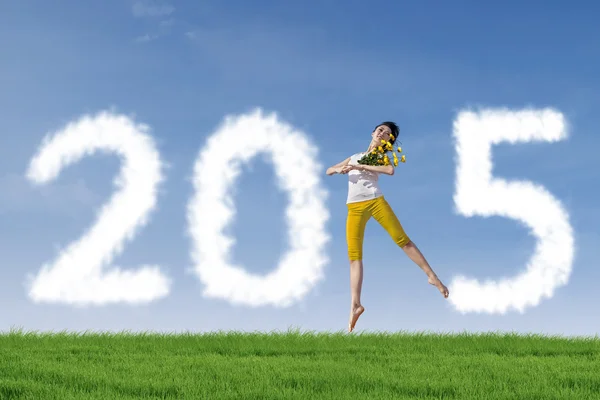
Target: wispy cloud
column 146, row 38
column 151, row 9
column 166, row 23
column 191, row 34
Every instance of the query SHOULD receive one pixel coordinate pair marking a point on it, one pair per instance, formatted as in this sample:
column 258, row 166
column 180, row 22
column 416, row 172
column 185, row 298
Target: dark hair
column 393, row 127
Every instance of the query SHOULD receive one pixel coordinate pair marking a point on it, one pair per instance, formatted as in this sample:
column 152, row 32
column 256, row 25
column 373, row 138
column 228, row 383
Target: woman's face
column 382, row 132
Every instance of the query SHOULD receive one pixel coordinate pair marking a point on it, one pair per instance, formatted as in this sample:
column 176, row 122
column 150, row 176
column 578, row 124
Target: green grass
column 296, row 365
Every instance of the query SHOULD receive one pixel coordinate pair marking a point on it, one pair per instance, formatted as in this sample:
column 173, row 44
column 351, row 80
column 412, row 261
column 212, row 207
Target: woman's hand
column 337, row 168
column 347, row 168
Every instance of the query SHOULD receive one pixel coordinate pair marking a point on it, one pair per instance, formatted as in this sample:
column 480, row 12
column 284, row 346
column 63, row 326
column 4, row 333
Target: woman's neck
column 373, row 145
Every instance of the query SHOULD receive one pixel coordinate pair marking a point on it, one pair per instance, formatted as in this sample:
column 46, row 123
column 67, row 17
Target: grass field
column 296, row 365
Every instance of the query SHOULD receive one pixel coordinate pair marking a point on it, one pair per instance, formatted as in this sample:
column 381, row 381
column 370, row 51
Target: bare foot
column 435, row 281
column 354, row 317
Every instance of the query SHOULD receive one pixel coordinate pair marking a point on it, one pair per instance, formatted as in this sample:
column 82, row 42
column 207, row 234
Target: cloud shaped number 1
column 79, row 277
column 477, row 192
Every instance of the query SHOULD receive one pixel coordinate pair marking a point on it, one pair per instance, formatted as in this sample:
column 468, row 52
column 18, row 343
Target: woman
column 365, row 200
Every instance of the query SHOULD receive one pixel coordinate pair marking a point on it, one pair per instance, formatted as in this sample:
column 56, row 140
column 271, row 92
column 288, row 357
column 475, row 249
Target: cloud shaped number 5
column 477, row 192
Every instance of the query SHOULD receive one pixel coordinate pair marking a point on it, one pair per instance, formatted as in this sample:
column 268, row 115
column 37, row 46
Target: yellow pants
column 359, row 214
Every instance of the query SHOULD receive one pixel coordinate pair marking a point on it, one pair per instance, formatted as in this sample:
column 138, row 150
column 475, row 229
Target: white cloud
column 212, row 208
column 478, row 193
column 82, row 274
column 149, row 8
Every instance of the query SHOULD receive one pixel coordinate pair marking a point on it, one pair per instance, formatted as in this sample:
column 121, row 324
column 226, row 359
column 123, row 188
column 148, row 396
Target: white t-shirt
column 362, row 185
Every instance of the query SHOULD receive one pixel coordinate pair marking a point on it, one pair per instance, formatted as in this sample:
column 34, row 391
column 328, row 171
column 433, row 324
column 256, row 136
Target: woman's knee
column 404, row 242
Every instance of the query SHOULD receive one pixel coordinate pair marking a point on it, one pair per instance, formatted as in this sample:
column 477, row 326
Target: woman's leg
column 356, row 279
column 383, row 213
column 413, row 252
column 358, row 215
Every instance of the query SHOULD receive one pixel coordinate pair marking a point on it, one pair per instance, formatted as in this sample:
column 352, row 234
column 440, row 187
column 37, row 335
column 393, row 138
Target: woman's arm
column 384, row 169
column 337, row 168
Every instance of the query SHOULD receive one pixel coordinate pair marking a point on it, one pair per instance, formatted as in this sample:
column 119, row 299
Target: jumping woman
column 366, row 200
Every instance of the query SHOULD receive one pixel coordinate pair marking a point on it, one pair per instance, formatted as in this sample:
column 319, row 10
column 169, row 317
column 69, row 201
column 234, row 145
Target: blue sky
column 332, row 72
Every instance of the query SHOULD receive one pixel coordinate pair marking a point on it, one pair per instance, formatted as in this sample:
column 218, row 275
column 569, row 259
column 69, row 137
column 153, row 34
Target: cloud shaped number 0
column 212, row 208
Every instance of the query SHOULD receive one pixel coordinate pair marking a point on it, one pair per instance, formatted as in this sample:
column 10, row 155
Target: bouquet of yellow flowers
column 378, row 156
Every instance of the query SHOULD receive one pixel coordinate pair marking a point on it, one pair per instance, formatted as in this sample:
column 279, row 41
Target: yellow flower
column 383, row 141
column 392, row 137
column 403, row 159
column 388, row 146
column 386, row 161
column 380, row 149
column 395, row 162
column 399, row 149
column 380, row 161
